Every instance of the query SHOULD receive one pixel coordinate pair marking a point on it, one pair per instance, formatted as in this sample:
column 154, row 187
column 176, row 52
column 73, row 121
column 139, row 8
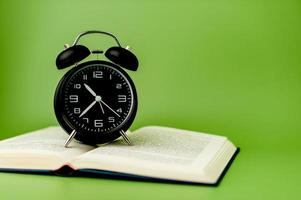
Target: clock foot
column 125, row 137
column 69, row 139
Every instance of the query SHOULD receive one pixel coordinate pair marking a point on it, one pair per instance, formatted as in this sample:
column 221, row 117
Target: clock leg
column 69, row 139
column 125, row 137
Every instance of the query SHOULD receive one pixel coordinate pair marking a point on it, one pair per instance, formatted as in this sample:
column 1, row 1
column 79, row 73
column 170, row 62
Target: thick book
column 158, row 154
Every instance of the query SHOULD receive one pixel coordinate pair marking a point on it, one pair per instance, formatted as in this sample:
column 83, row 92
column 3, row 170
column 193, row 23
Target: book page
column 45, row 145
column 156, row 150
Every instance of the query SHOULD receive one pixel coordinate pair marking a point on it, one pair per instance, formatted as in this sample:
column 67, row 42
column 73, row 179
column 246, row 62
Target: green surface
column 224, row 67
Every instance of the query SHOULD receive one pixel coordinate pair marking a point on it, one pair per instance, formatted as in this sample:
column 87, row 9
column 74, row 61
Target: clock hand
column 89, row 89
column 94, row 94
column 109, row 108
column 88, row 108
column 101, row 107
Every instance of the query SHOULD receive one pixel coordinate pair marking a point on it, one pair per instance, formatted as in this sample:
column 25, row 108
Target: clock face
column 96, row 99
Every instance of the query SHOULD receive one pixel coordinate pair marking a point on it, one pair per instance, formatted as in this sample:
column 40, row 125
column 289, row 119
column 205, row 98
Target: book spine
column 65, row 170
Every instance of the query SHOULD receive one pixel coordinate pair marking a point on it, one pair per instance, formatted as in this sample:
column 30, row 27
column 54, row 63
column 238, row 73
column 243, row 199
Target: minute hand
column 88, row 108
column 109, row 108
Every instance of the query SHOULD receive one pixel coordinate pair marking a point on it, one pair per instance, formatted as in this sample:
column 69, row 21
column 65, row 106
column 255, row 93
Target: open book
column 158, row 153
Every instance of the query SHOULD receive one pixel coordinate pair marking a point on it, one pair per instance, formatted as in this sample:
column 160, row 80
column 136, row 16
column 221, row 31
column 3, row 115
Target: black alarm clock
column 96, row 101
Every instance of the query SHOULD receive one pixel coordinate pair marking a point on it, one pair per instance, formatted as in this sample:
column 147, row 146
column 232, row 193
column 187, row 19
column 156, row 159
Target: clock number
column 73, row 98
column 110, row 77
column 97, row 74
column 76, row 111
column 98, row 123
column 111, row 119
column 118, row 86
column 121, row 98
column 85, row 77
column 119, row 110
column 86, row 119
column 77, row 86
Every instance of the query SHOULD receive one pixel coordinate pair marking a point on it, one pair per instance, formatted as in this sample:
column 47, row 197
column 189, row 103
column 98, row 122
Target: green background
column 224, row 67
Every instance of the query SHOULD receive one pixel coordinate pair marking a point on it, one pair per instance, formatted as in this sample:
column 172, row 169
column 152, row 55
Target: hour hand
column 90, row 89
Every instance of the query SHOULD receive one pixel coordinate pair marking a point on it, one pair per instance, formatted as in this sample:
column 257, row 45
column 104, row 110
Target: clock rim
column 67, row 125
